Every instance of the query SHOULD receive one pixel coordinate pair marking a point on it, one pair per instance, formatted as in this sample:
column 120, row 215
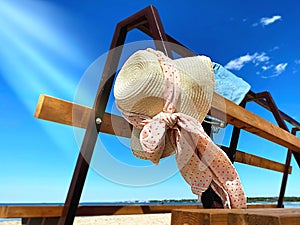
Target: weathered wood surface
column 55, row 211
column 253, row 160
column 68, row 113
column 266, row 217
column 39, row 211
column 246, row 120
column 197, row 217
column 60, row 111
column 250, row 216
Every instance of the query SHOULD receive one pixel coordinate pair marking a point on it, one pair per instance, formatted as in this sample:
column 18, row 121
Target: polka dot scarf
column 201, row 162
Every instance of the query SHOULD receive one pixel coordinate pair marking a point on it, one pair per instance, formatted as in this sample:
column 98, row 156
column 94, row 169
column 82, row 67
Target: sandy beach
column 153, row 219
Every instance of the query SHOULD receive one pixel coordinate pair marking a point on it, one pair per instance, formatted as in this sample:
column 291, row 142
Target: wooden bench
column 64, row 112
column 258, row 216
column 97, row 120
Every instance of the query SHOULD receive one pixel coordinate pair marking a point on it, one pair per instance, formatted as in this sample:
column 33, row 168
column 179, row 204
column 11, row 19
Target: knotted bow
column 200, row 161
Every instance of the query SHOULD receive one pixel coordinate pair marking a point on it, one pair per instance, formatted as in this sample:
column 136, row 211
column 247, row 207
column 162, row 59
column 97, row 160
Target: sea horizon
column 250, row 200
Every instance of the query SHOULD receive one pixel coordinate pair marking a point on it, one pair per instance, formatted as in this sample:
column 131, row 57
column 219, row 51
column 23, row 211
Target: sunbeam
column 34, row 21
column 37, row 57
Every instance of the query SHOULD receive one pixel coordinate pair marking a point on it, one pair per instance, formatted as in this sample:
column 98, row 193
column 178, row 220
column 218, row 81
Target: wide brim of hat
column 139, row 88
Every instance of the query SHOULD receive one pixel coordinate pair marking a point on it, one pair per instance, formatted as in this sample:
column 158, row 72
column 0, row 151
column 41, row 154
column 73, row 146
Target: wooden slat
column 233, row 216
column 39, row 211
column 196, row 217
column 266, row 217
column 68, row 113
column 64, row 112
column 29, row 211
column 60, row 111
column 253, row 160
column 252, row 123
column 55, row 211
column 57, row 110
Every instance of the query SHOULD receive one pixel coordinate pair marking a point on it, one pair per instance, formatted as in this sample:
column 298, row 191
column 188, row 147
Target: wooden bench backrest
column 64, row 112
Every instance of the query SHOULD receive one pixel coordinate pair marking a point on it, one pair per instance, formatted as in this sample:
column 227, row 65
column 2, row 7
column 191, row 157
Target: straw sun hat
column 140, row 85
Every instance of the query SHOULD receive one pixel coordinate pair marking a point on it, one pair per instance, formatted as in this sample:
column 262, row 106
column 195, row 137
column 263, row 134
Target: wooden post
column 285, row 174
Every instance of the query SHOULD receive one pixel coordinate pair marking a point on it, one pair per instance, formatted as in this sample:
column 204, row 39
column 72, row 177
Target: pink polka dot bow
column 201, row 162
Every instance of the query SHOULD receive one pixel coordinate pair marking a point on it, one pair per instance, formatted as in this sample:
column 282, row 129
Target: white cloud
column 297, row 61
column 280, row 68
column 267, row 21
column 261, row 57
column 261, row 60
column 239, row 63
column 256, row 58
column 266, row 67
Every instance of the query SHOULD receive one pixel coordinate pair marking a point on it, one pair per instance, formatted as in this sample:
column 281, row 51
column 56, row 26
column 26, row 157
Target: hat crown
column 140, row 85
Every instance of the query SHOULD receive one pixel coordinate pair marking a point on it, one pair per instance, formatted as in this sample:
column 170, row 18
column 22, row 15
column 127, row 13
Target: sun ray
column 36, row 58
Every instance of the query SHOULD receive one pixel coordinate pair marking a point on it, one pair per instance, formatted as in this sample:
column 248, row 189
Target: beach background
column 153, row 219
column 140, row 219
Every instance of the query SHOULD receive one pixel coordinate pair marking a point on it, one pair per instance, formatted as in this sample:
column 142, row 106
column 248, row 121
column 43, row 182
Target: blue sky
column 47, row 46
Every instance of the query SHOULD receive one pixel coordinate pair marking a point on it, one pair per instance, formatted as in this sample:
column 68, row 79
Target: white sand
column 11, row 223
column 153, row 219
